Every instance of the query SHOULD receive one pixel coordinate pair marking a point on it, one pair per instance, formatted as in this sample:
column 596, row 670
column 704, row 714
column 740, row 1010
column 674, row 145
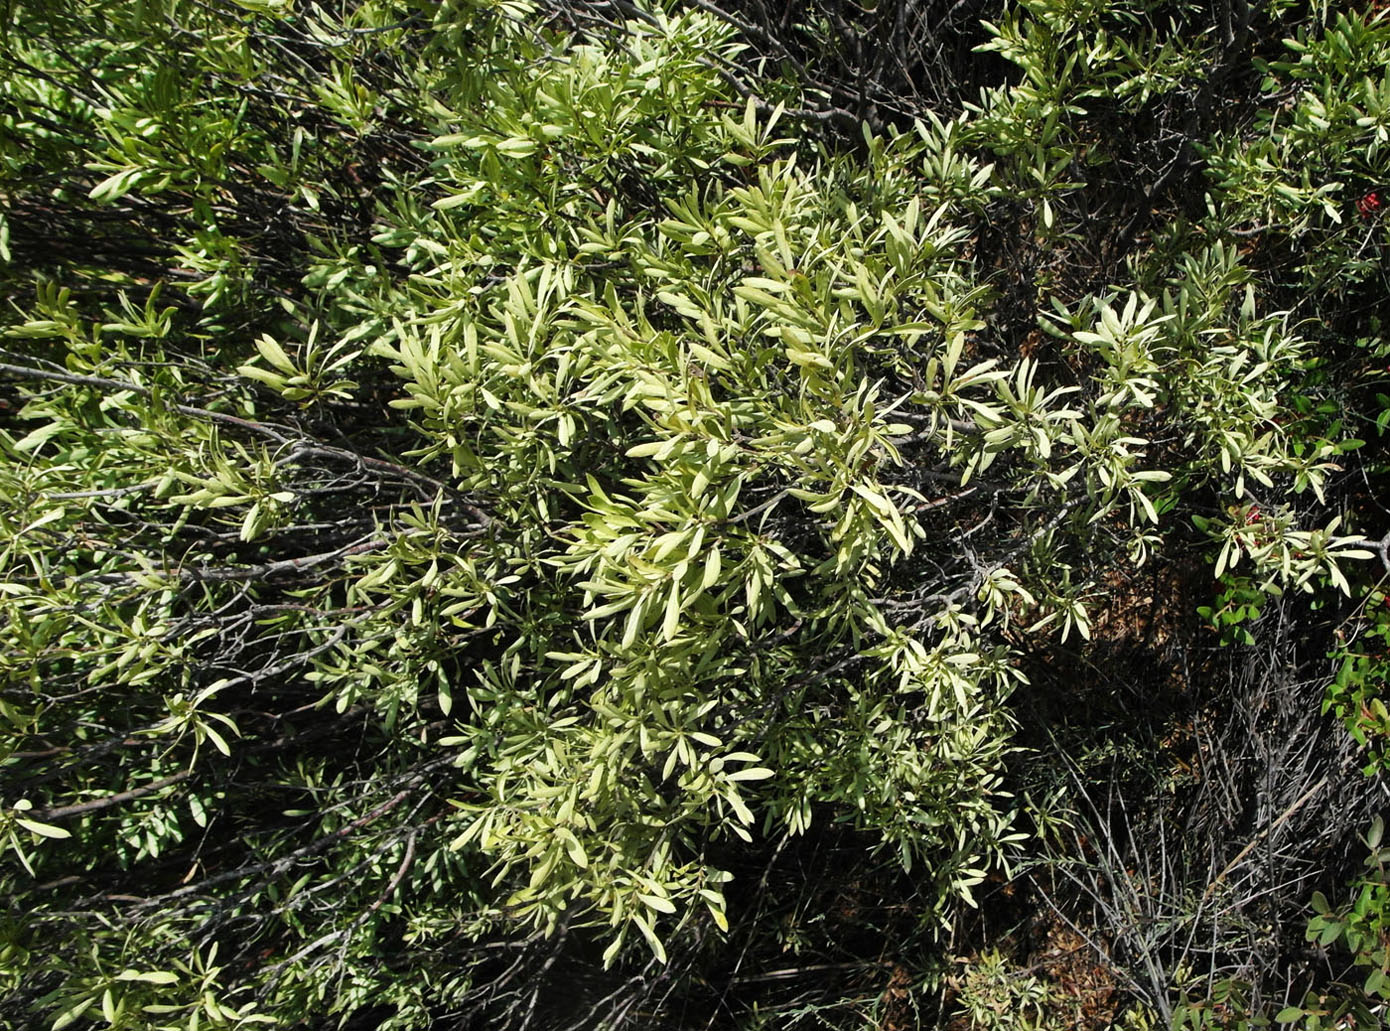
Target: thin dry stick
column 96, row 804
column 281, row 435
column 1275, row 825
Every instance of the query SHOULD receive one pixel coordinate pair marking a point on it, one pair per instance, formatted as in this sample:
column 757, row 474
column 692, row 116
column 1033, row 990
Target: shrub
column 481, row 474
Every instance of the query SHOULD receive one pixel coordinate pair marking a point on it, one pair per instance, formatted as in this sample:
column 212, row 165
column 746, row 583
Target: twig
column 395, row 883
column 281, row 435
column 106, row 803
column 743, row 517
column 109, row 492
column 1382, row 548
column 1275, row 825
column 777, row 975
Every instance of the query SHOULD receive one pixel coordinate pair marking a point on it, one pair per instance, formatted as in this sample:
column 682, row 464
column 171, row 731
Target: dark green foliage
column 1357, row 695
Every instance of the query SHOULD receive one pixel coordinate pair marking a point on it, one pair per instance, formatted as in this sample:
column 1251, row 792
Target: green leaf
column 275, row 354
column 116, row 185
column 712, row 569
column 574, row 849
column 45, row 830
column 610, row 954
column 670, row 622
column 218, row 741
column 70, row 1016
column 658, row 949
column 517, row 147
column 656, row 902
column 751, row 773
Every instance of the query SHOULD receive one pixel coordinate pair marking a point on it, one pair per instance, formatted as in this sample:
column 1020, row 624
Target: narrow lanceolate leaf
column 116, row 185
column 46, row 830
column 73, row 1014
column 670, row 622
column 272, row 352
column 148, row 976
column 656, row 902
column 751, row 773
